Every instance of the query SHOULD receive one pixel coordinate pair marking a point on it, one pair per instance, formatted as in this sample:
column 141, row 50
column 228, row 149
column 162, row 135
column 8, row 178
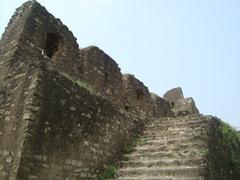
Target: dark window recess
column 154, row 112
column 106, row 76
column 165, row 112
column 172, row 104
column 53, row 45
column 126, row 107
column 140, row 94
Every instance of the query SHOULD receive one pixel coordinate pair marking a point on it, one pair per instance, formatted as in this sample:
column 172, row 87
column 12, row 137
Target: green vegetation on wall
column 128, row 148
column 231, row 138
column 81, row 83
column 109, row 173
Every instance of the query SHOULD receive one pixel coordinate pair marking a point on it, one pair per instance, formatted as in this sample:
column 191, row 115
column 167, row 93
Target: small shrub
column 238, row 133
column 81, row 83
column 130, row 147
column 109, row 173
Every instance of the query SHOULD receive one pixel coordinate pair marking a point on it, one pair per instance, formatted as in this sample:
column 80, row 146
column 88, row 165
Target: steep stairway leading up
column 170, row 149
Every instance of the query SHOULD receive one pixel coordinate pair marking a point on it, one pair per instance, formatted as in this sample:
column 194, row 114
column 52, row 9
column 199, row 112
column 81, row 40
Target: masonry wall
column 138, row 100
column 160, row 107
column 16, row 79
column 49, row 125
column 103, row 73
column 136, row 96
column 78, row 133
column 47, row 39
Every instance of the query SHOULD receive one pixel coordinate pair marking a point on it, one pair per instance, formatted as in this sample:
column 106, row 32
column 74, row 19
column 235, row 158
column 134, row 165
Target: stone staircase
column 169, row 149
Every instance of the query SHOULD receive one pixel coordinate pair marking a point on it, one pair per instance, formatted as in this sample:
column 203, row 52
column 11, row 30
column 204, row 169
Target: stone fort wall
column 48, row 39
column 61, row 108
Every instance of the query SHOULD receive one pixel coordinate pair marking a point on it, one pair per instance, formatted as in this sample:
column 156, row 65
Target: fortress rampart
column 65, row 112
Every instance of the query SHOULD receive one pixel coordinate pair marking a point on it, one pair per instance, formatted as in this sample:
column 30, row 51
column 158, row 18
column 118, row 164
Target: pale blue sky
column 165, row 43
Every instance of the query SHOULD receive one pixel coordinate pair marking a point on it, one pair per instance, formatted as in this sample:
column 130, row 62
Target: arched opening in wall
column 172, row 104
column 54, row 44
column 140, row 94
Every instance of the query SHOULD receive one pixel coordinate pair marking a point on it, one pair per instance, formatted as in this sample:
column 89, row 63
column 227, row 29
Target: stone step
column 159, row 136
column 164, row 162
column 149, row 156
column 175, row 130
column 198, row 153
column 178, row 123
column 161, row 178
column 172, row 147
column 176, row 141
column 163, row 171
column 180, row 131
column 179, row 119
column 165, row 127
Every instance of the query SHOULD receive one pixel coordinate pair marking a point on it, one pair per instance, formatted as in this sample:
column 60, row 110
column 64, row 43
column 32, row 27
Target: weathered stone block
column 173, row 95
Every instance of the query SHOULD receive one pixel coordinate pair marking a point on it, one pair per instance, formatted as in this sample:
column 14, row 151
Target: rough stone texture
column 103, row 73
column 179, row 148
column 76, row 134
column 50, row 125
column 67, row 113
column 173, row 95
column 138, row 100
column 136, row 96
column 180, row 106
column 160, row 107
column 185, row 106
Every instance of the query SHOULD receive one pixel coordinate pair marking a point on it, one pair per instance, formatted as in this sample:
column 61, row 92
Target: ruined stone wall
column 138, row 100
column 136, row 96
column 17, row 90
column 103, row 73
column 78, row 133
column 160, row 107
column 180, row 106
column 45, row 38
column 49, row 125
